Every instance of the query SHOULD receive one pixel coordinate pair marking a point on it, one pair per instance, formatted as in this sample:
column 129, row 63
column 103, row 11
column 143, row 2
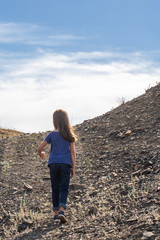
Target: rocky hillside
column 115, row 193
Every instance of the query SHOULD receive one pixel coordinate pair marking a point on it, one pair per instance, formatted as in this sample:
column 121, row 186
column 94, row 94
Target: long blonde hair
column 61, row 122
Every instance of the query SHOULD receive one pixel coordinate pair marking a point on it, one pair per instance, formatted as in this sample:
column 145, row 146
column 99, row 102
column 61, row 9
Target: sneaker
column 56, row 220
column 62, row 217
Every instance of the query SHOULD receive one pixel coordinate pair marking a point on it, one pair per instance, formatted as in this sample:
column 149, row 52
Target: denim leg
column 55, row 178
column 64, row 184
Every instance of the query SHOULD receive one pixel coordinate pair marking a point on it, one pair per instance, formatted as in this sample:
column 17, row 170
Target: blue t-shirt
column 60, row 149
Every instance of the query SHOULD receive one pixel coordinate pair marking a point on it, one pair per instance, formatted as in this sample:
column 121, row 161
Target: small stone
column 75, row 186
column 28, row 187
column 115, row 174
column 136, row 173
column 147, row 171
column 91, row 210
column 128, row 133
column 147, row 235
column 23, row 226
column 132, row 220
column 120, row 135
column 137, row 167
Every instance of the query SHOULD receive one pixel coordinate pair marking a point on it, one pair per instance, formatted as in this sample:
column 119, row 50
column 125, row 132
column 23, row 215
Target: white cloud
column 65, row 37
column 32, row 34
column 31, row 88
column 86, row 84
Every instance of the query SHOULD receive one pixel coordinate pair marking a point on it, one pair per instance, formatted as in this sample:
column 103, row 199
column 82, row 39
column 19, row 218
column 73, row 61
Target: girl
column 61, row 161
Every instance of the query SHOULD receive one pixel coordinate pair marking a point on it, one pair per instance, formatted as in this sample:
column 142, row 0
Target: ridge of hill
column 9, row 133
column 115, row 193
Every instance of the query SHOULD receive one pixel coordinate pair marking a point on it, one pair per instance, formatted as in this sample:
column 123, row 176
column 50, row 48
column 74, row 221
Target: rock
column 82, row 139
column 27, row 187
column 139, row 129
column 120, row 135
column 93, row 194
column 46, row 178
column 91, row 210
column 128, row 133
column 132, row 220
column 147, row 235
column 136, row 173
column 114, row 174
column 75, row 186
column 23, row 226
column 137, row 167
column 147, row 171
column 4, row 219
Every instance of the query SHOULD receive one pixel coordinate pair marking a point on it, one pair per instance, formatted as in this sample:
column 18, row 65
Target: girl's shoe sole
column 56, row 221
column 62, row 218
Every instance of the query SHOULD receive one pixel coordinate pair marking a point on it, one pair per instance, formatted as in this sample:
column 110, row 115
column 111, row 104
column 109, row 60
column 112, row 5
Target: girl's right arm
column 40, row 148
column 73, row 156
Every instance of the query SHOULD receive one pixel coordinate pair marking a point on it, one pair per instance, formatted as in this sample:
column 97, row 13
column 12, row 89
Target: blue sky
column 79, row 55
column 102, row 24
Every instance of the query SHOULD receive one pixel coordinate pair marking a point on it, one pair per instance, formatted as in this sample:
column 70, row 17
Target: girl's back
column 60, row 149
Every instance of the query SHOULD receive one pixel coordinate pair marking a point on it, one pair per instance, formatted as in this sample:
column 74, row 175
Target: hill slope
column 115, row 193
column 9, row 133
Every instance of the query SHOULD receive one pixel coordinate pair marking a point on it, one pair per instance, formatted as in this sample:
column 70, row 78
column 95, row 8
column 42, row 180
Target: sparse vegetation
column 121, row 100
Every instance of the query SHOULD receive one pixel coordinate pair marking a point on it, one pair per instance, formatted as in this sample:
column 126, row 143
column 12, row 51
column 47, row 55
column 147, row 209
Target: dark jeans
column 60, row 178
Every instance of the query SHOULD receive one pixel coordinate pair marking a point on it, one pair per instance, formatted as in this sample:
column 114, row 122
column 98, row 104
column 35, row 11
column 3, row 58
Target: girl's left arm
column 73, row 156
column 40, row 148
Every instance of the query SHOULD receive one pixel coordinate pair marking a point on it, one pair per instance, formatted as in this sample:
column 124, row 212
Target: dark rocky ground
column 115, row 193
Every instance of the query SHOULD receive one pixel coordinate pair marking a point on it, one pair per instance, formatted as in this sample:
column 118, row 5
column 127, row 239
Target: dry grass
column 9, row 133
column 22, row 219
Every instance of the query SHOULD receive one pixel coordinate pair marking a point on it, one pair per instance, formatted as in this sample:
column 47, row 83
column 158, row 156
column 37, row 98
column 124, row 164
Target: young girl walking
column 61, row 161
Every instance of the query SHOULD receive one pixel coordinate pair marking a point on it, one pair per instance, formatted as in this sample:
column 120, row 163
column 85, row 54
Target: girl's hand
column 72, row 172
column 40, row 148
column 43, row 155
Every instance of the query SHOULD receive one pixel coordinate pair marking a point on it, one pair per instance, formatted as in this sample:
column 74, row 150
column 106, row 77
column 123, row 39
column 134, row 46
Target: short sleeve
column 48, row 138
